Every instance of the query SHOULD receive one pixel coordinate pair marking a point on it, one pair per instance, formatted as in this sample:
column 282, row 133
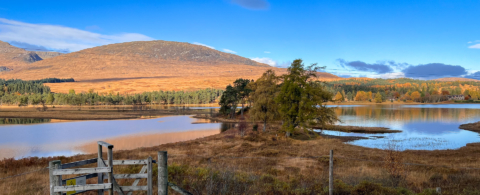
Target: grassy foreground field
column 264, row 163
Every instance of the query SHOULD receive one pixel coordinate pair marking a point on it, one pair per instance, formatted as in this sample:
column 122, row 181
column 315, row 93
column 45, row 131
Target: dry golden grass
column 264, row 155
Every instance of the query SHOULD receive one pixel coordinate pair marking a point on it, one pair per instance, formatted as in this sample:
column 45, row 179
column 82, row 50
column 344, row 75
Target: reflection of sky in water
column 59, row 138
column 424, row 127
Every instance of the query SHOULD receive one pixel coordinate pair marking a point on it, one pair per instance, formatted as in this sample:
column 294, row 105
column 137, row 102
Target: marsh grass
column 262, row 163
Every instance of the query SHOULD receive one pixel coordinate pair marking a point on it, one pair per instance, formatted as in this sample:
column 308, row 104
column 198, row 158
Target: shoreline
column 267, row 154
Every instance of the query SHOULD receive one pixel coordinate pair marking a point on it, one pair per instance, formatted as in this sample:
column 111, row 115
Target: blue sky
column 420, row 39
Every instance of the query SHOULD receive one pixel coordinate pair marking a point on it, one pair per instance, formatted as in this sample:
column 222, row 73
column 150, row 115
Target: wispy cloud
column 475, row 75
column 252, row 4
column 229, row 51
column 434, row 70
column 197, row 43
column 265, row 61
column 476, row 46
column 267, row 52
column 60, row 37
column 392, row 75
column 28, row 47
column 379, row 67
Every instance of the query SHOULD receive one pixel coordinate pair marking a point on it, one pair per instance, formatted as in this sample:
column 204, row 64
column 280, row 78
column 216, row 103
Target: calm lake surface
column 424, row 127
column 70, row 138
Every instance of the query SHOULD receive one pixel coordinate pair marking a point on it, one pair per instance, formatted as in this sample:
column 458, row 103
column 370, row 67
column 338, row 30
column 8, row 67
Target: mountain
column 455, row 79
column 12, row 57
column 134, row 67
column 47, row 54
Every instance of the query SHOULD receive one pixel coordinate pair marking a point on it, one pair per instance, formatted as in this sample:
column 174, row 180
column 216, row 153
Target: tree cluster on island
column 296, row 99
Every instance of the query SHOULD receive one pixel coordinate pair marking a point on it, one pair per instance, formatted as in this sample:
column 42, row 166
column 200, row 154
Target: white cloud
column 60, row 37
column 266, row 61
column 476, row 46
column 266, row 52
column 229, row 51
column 392, row 75
column 197, row 43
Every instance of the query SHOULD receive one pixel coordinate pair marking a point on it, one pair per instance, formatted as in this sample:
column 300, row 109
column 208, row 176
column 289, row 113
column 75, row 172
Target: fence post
column 149, row 179
column 100, row 164
column 162, row 173
column 110, row 164
column 52, row 165
column 330, row 175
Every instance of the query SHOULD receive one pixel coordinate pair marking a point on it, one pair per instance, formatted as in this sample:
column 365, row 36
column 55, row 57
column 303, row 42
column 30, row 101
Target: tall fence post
column 52, row 165
column 110, row 164
column 149, row 179
column 162, row 173
column 100, row 164
column 330, row 175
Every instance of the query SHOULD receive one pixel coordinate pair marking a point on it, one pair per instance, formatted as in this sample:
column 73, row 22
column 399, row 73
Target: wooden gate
column 78, row 184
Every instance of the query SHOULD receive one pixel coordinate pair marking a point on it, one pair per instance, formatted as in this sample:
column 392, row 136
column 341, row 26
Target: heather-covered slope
column 135, row 67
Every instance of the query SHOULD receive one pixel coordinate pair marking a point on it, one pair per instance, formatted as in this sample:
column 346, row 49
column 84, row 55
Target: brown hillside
column 13, row 57
column 135, row 67
column 455, row 79
column 47, row 54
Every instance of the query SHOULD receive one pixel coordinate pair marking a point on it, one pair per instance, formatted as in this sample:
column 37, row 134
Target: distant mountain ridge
column 47, row 54
column 134, row 67
column 11, row 55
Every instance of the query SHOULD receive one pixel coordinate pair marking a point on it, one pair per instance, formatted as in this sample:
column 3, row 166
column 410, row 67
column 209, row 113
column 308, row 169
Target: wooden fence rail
column 77, row 185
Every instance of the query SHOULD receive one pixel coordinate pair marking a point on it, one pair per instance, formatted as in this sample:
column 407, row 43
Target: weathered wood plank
column 135, row 183
column 82, row 171
column 134, row 188
column 53, row 178
column 78, row 192
column 110, row 173
column 100, row 163
column 79, row 163
column 179, row 189
column 64, row 182
column 86, row 187
column 162, row 158
column 117, row 188
column 129, row 162
column 149, row 179
column 130, row 176
column 110, row 146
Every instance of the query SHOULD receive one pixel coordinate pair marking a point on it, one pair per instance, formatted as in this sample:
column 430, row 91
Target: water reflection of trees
column 23, row 120
column 410, row 114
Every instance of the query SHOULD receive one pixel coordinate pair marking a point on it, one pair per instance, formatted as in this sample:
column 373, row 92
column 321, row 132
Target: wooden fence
column 77, row 185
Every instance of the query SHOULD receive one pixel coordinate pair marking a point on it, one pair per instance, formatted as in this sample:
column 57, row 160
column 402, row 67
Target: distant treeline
column 22, row 93
column 403, row 89
column 203, row 96
column 22, row 120
column 35, row 86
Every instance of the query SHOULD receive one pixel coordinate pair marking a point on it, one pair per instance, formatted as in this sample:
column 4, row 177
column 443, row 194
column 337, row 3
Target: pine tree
column 301, row 99
column 263, row 94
